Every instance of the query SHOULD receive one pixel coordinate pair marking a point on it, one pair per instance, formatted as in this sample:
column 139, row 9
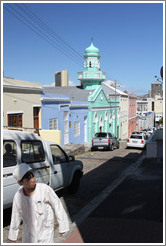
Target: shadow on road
column 133, row 213
column 93, row 182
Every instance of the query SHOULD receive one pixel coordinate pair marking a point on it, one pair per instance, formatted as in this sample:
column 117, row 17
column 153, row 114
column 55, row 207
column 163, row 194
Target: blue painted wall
column 55, row 109
column 77, row 115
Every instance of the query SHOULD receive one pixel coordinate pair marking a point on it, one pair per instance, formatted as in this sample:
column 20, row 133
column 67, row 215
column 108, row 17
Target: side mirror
column 71, row 158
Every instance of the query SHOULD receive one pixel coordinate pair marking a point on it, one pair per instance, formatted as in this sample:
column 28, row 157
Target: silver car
column 104, row 140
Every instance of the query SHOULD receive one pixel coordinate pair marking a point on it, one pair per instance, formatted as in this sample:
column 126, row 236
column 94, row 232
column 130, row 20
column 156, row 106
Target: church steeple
column 91, row 76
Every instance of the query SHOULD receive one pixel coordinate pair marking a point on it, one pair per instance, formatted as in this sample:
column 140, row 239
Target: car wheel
column 111, row 147
column 74, row 185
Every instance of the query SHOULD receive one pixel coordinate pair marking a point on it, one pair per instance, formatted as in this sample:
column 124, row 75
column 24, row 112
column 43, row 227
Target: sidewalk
column 77, row 149
column 132, row 213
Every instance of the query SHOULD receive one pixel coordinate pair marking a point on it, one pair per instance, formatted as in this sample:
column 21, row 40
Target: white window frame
column 53, row 124
column 76, row 128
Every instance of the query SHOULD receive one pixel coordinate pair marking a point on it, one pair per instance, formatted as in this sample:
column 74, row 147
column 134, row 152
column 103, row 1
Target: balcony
column 91, row 75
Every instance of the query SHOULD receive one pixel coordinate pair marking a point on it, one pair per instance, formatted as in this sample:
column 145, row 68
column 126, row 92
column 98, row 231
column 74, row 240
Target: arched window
column 110, row 118
column 113, row 115
column 90, row 64
column 101, row 122
column 106, row 116
column 95, row 120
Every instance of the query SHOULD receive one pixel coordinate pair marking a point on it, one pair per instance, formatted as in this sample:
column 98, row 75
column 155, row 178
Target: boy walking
column 36, row 205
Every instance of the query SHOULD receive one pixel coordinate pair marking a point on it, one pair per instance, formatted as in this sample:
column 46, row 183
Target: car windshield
column 136, row 136
column 101, row 135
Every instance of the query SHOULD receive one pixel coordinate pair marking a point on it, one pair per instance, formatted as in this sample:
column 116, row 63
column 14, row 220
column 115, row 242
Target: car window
column 57, row 154
column 101, row 135
column 9, row 153
column 136, row 132
column 32, row 151
column 110, row 135
column 136, row 136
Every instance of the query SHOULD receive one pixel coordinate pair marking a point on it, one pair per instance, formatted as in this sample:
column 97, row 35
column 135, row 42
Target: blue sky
column 128, row 35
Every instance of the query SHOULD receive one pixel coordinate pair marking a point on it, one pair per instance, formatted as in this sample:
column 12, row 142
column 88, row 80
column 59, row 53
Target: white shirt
column 37, row 212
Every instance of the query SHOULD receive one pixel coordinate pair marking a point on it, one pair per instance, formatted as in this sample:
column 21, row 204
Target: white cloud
column 50, row 85
column 71, row 83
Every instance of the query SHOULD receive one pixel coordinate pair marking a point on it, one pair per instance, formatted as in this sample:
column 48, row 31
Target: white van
column 48, row 160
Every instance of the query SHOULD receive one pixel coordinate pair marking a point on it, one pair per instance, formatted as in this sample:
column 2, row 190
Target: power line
column 51, row 30
column 42, row 34
column 47, row 29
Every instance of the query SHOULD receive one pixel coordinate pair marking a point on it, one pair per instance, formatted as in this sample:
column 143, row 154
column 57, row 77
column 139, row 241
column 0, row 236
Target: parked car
column 104, row 140
column 136, row 141
column 48, row 160
column 136, row 132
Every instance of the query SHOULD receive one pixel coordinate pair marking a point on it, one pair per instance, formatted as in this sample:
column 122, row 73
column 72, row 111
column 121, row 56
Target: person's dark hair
column 8, row 147
column 28, row 176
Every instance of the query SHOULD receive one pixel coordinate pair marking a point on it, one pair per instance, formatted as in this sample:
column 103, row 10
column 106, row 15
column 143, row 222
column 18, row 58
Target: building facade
column 145, row 121
column 156, row 89
column 132, row 116
column 21, row 104
column 122, row 104
column 59, row 112
column 103, row 114
column 158, row 108
column 61, row 78
column 142, row 107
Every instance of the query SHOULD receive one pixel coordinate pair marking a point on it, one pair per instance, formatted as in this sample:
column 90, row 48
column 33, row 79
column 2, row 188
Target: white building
column 145, row 121
column 142, row 107
column 123, row 99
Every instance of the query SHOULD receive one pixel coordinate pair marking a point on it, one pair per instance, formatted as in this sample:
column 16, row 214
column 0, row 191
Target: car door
column 10, row 185
column 61, row 168
column 33, row 153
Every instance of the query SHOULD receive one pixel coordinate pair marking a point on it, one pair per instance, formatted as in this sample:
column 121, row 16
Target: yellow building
column 21, row 104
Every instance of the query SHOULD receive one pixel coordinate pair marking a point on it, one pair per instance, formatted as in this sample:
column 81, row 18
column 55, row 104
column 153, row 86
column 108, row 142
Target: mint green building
column 104, row 112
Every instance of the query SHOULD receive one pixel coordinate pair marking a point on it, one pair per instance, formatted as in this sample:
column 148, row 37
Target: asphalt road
column 101, row 168
column 130, row 213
